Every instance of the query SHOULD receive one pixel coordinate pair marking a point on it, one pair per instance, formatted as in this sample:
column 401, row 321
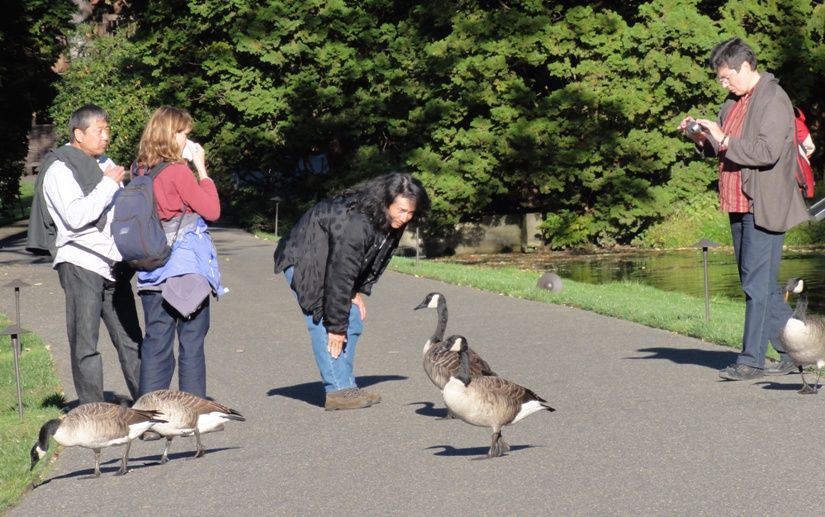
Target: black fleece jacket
column 336, row 252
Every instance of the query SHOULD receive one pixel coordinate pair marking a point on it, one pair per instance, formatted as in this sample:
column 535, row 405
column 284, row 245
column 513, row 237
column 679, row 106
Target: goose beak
column 786, row 296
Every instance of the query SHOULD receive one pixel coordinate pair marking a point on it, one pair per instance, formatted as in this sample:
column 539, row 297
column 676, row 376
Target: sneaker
column 349, row 398
column 741, row 372
column 375, row 398
column 782, row 368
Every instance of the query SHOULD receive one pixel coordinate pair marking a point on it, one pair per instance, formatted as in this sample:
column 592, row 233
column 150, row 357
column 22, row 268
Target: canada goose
column 96, row 425
column 186, row 414
column 441, row 362
column 487, row 401
column 803, row 337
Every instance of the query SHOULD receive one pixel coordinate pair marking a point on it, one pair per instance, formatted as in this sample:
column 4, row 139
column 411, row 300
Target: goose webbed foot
column 200, row 451
column 498, row 448
column 124, row 461
column 807, row 389
column 97, row 467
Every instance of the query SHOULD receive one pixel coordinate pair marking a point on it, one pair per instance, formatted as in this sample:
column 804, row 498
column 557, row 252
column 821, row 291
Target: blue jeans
column 90, row 297
column 758, row 253
column 158, row 353
column 336, row 374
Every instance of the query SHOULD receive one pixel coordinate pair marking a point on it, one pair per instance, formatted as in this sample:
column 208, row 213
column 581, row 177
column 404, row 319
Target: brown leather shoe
column 349, row 398
column 374, row 398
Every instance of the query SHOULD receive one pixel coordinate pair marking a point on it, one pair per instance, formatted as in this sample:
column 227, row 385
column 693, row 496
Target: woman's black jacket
column 336, row 252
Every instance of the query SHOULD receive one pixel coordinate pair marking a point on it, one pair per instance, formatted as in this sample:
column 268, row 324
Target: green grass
column 12, row 213
column 42, row 400
column 630, row 301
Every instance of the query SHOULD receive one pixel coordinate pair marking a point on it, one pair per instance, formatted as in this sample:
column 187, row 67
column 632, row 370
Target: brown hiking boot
column 350, row 398
column 374, row 398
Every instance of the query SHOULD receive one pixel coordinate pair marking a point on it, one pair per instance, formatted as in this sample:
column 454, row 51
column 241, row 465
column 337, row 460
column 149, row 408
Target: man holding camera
column 753, row 139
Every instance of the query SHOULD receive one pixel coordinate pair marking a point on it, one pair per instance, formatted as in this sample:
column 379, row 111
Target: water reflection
column 682, row 271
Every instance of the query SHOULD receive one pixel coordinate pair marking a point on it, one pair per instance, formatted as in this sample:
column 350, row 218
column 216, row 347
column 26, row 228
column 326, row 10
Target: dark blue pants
column 157, row 365
column 758, row 253
column 90, row 297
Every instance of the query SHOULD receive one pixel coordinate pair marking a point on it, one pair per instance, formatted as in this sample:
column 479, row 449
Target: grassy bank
column 20, row 210
column 42, row 400
column 636, row 302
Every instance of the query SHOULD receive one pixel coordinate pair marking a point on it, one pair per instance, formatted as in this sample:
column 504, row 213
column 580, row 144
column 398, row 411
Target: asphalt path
column 643, row 425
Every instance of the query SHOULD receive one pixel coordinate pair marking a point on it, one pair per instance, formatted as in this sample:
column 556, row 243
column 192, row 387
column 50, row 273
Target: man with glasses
column 753, row 139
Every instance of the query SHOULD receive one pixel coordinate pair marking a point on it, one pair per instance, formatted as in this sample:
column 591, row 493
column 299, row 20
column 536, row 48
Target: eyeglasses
column 725, row 81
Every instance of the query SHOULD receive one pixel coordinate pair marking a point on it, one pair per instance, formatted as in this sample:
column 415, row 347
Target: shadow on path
column 715, row 359
column 313, row 392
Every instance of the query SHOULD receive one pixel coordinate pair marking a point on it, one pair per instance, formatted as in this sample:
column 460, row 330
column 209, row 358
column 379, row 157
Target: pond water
column 679, row 271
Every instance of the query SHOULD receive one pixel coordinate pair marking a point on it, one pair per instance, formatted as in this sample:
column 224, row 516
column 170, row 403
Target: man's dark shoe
column 782, row 368
column 150, row 436
column 741, row 372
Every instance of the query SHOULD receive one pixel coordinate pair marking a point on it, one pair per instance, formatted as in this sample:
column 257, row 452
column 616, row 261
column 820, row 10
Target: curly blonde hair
column 158, row 143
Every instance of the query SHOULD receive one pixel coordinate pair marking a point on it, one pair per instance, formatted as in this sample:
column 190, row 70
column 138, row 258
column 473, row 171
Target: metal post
column 705, row 244
column 277, row 200
column 417, row 246
column 14, row 331
column 707, row 296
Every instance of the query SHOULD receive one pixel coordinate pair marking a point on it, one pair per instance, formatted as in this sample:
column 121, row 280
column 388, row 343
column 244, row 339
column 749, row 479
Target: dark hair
column 732, row 53
column 84, row 117
column 375, row 197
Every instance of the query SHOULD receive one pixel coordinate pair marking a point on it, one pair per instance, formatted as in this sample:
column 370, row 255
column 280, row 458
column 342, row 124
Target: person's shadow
column 715, row 359
column 313, row 392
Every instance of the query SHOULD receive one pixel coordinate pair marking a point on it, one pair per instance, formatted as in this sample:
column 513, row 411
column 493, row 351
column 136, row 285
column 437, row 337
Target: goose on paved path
column 94, row 426
column 487, row 401
column 186, row 415
column 803, row 336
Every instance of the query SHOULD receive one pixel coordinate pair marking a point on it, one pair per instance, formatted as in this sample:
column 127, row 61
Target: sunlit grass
column 42, row 400
column 21, row 208
column 630, row 301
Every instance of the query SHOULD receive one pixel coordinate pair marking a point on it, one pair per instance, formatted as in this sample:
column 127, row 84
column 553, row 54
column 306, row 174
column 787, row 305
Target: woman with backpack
column 175, row 296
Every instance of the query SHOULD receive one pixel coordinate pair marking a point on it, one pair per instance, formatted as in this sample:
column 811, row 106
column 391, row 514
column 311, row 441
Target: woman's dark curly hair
column 375, row 197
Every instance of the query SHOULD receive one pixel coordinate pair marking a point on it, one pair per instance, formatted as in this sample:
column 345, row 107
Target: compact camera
column 693, row 127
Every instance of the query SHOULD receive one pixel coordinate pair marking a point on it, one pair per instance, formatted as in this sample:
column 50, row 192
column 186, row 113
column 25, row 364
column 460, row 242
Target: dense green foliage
column 564, row 108
column 30, row 36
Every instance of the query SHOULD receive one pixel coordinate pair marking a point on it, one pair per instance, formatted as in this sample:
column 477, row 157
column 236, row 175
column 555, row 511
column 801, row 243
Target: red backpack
column 805, row 148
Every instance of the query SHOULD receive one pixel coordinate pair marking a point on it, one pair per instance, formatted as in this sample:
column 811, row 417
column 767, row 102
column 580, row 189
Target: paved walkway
column 643, row 424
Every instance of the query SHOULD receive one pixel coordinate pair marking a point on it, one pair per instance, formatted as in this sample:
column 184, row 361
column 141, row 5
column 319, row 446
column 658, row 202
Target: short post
column 14, row 331
column 277, row 200
column 705, row 244
column 417, row 246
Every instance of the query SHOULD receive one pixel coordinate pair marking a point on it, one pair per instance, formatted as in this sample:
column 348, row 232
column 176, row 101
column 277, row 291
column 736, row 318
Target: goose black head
column 430, row 302
column 795, row 285
column 456, row 343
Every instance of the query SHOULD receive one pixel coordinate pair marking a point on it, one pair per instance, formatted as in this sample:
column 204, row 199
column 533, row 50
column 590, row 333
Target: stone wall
column 42, row 137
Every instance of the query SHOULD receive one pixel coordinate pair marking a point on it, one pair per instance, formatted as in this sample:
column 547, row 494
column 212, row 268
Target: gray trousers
column 90, row 297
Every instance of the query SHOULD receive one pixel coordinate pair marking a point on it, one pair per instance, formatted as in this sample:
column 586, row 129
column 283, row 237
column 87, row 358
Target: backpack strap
column 153, row 173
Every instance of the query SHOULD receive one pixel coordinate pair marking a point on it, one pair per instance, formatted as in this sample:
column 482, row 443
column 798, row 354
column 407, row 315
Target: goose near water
column 186, row 415
column 803, row 336
column 96, row 425
column 440, row 362
column 487, row 401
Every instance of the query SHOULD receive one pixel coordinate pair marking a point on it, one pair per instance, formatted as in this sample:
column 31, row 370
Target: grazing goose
column 94, row 426
column 487, row 401
column 803, row 336
column 441, row 362
column 186, row 414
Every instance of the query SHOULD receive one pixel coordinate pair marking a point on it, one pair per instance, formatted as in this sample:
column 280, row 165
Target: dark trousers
column 90, row 297
column 758, row 253
column 157, row 366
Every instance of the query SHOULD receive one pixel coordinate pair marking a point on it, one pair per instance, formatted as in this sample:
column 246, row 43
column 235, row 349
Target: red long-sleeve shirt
column 177, row 185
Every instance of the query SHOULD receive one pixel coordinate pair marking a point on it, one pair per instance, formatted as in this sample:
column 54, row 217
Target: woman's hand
column 362, row 307
column 198, row 158
column 335, row 343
